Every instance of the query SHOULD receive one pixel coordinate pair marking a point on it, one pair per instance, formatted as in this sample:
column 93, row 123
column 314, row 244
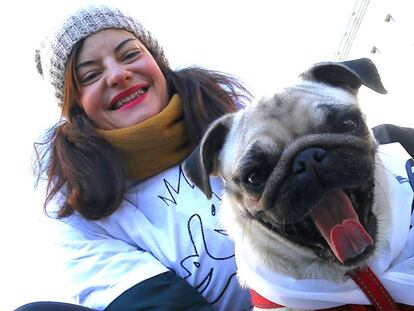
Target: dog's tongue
column 338, row 223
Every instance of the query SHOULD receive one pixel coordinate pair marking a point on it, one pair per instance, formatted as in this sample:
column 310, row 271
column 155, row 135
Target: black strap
column 164, row 292
column 389, row 133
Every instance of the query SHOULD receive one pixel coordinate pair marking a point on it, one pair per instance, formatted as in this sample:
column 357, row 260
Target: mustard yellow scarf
column 153, row 145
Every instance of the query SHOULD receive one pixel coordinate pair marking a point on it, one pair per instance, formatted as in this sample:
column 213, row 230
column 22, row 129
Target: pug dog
column 300, row 176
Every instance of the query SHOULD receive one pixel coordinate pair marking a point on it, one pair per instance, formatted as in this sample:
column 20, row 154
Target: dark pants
column 51, row 306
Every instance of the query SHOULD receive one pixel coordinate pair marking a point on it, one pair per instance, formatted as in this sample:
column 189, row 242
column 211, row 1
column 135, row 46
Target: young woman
column 137, row 233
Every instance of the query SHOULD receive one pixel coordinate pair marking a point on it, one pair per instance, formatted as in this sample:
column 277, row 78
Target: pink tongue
column 338, row 223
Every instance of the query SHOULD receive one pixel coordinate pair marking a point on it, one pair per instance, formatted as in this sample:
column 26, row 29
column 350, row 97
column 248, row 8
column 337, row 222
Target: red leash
column 373, row 289
column 364, row 278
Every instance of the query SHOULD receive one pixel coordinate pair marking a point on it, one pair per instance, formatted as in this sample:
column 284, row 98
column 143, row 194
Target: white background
column 264, row 43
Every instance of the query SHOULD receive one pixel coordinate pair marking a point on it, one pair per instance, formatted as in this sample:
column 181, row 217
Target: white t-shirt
column 164, row 223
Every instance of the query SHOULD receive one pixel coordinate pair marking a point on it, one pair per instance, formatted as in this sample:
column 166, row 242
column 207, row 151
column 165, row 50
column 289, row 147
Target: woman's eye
column 89, row 78
column 131, row 55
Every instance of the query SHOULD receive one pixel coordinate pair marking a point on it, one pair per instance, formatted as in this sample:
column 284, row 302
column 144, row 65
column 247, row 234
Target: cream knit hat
column 53, row 53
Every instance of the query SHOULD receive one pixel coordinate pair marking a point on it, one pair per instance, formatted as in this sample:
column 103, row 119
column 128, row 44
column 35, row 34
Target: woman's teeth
column 127, row 99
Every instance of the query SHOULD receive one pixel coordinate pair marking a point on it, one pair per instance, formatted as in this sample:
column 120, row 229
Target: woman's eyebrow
column 84, row 64
column 117, row 48
column 120, row 45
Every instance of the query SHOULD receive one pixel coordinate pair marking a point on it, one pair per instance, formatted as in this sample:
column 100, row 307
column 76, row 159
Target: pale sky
column 264, row 43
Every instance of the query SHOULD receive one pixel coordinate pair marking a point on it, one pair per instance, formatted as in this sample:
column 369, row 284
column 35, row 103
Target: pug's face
column 301, row 164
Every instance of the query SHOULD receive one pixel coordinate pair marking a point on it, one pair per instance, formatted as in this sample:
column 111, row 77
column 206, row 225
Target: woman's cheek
column 90, row 102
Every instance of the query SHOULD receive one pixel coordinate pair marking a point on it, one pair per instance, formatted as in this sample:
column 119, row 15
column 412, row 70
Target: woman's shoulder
column 147, row 208
column 172, row 184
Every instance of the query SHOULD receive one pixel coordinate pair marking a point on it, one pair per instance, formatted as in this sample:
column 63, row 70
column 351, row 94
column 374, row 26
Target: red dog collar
column 364, row 278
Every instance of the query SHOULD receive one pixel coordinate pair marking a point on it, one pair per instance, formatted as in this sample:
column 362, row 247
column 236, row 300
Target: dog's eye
column 255, row 180
column 348, row 126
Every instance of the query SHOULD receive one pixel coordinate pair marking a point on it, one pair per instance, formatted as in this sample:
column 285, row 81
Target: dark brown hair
column 87, row 171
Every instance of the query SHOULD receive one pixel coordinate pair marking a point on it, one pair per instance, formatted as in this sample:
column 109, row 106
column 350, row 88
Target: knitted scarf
column 153, row 145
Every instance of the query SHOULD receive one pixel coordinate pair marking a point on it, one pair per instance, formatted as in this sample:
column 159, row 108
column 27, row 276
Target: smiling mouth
column 134, row 97
column 338, row 223
column 336, row 226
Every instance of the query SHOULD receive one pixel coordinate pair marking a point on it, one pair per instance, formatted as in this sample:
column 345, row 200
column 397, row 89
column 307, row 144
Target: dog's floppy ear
column 348, row 74
column 203, row 160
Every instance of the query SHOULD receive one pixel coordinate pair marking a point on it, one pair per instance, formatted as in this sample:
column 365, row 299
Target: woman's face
column 120, row 82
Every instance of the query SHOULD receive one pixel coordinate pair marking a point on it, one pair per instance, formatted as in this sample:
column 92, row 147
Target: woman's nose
column 118, row 75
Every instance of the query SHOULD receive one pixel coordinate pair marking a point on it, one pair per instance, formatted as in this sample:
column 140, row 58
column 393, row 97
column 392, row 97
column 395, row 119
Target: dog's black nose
column 308, row 159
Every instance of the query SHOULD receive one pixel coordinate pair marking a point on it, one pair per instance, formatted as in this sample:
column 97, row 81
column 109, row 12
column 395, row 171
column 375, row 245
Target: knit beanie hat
column 53, row 53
